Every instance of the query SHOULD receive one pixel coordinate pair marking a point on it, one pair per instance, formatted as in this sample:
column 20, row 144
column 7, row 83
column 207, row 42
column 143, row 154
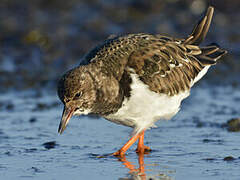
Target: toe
column 144, row 149
column 118, row 154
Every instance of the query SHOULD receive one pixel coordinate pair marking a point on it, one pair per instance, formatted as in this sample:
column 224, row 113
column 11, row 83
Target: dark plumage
column 105, row 82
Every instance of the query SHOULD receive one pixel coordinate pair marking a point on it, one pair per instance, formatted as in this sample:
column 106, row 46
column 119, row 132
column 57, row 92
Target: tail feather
column 207, row 55
column 209, row 50
column 200, row 30
column 210, row 54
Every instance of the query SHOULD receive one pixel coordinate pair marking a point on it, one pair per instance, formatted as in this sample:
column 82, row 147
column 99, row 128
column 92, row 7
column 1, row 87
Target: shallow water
column 192, row 145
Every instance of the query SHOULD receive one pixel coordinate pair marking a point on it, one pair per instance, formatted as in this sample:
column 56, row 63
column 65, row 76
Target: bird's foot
column 143, row 149
column 119, row 153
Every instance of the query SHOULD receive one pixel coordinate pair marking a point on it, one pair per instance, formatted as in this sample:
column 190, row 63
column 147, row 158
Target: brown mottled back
column 169, row 65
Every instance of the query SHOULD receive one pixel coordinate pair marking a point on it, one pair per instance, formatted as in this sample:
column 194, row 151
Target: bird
column 137, row 79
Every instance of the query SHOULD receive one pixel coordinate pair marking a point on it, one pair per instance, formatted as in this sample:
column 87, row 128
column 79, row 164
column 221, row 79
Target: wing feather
column 170, row 65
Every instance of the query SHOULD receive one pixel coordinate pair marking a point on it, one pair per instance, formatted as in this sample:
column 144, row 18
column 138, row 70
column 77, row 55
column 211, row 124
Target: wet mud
column 195, row 144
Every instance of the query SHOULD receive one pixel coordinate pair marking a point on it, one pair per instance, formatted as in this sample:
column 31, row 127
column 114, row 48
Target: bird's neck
column 109, row 96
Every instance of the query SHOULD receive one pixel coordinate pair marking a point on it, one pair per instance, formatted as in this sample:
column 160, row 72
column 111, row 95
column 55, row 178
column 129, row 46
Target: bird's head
column 77, row 92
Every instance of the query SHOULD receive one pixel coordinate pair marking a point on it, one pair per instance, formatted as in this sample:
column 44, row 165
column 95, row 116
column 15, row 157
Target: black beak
column 66, row 116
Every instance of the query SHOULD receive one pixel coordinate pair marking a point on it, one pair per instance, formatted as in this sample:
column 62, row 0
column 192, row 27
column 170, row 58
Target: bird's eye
column 78, row 95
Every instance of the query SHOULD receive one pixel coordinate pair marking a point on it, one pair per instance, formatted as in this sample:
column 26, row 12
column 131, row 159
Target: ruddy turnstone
column 137, row 79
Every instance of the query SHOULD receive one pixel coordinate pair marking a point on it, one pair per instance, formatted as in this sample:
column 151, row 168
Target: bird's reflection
column 138, row 173
column 133, row 171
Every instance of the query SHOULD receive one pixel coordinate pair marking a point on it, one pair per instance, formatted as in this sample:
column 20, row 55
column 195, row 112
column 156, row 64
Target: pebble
column 10, row 107
column 50, row 144
column 233, row 125
column 229, row 158
column 33, row 120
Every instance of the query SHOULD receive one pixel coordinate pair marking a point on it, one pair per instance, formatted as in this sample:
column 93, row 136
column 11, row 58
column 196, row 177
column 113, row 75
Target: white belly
column 145, row 107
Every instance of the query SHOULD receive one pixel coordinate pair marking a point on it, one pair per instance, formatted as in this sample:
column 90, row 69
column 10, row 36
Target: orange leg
column 122, row 151
column 141, row 148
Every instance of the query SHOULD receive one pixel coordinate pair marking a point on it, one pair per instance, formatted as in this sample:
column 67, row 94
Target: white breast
column 145, row 107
